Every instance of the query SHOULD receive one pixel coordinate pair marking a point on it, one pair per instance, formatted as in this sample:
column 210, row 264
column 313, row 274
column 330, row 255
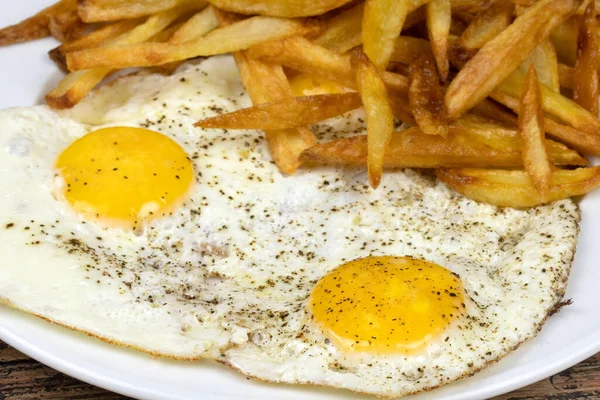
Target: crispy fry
column 472, row 6
column 401, row 108
column 544, row 59
column 531, row 129
column 515, row 188
column 585, row 141
column 266, row 83
column 235, row 37
column 66, row 26
column 303, row 55
column 485, row 26
column 344, row 31
column 501, row 55
column 379, row 117
column 426, row 96
column 75, row 86
column 438, row 28
column 414, row 149
column 565, row 76
column 494, row 111
column 35, row 27
column 407, row 48
column 197, row 26
column 287, row 113
column 554, row 104
column 279, row 8
column 564, row 38
column 587, row 63
column 382, row 24
column 101, row 11
column 93, row 39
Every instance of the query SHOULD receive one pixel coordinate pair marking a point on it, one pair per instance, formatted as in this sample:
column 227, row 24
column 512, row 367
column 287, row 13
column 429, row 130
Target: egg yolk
column 124, row 176
column 386, row 304
column 306, row 85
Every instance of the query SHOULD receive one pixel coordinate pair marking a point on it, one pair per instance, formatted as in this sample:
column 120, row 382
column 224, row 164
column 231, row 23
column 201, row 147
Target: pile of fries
column 501, row 96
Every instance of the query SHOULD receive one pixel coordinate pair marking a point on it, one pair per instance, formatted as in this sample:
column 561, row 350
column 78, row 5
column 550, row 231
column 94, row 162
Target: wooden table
column 23, row 378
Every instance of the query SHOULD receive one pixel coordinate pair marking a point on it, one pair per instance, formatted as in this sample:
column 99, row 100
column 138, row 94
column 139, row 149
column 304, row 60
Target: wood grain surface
column 22, row 378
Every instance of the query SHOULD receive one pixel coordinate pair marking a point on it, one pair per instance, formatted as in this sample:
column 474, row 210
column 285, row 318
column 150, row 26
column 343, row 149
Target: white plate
column 568, row 338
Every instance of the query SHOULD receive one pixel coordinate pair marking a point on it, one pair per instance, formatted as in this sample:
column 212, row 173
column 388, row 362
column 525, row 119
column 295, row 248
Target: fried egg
column 122, row 220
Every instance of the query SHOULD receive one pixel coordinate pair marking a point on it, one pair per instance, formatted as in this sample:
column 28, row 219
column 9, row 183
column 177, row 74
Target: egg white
column 228, row 274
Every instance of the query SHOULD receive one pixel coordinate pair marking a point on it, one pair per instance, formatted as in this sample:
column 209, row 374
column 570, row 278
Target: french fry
column 401, row 108
column 93, row 39
column 544, row 59
column 197, row 26
column 487, row 25
column 382, row 24
column 66, row 26
column 101, row 11
column 587, row 63
column 266, row 83
column 554, row 104
column 412, row 148
column 494, row 111
column 495, row 61
column 235, row 37
column 35, row 27
column 515, row 188
column 531, row 129
column 584, row 141
column 287, row 113
column 407, row 48
column 438, row 27
column 426, row 96
column 379, row 117
column 344, row 31
column 279, row 8
column 472, row 6
column 564, row 38
column 75, row 86
column 565, row 76
column 303, row 55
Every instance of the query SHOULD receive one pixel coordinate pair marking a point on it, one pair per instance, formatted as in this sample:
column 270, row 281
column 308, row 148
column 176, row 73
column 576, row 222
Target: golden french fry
column 554, row 104
column 565, row 76
column 465, row 146
column 515, row 188
column 286, row 113
column 303, row 55
column 495, row 61
column 379, row 117
column 472, row 6
column 199, row 25
column 267, row 83
column 66, row 26
column 487, row 25
column 35, row 27
column 438, row 27
column 235, row 37
column 75, row 86
column 587, row 63
column 101, row 11
column 544, row 59
column 344, row 31
column 585, row 141
column 401, row 108
column 382, row 24
column 93, row 39
column 564, row 38
column 531, row 129
column 496, row 112
column 426, row 96
column 279, row 8
column 407, row 48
